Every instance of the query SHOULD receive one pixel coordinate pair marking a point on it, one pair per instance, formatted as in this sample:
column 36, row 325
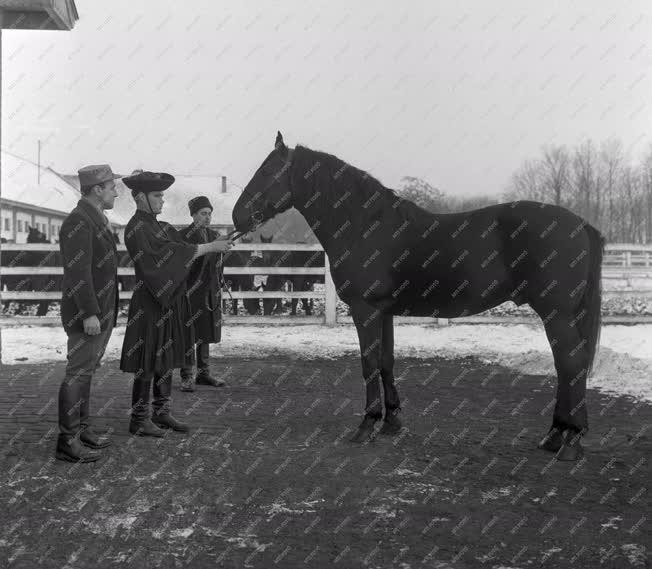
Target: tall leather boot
column 140, row 423
column 161, row 415
column 203, row 371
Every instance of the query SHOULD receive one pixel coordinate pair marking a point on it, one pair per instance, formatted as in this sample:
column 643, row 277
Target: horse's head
column 268, row 192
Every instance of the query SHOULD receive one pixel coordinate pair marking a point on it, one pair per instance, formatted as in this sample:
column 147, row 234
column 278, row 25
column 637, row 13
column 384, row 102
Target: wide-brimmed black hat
column 147, row 182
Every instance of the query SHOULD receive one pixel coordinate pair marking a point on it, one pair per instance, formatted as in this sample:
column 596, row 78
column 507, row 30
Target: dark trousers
column 144, row 384
column 202, row 361
column 84, row 354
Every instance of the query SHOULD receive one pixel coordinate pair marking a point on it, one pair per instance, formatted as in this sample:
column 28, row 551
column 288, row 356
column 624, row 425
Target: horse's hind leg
column 572, row 360
column 392, row 423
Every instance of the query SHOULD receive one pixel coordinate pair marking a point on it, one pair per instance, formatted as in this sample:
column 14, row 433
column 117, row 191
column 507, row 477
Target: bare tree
column 423, row 194
column 646, row 182
column 555, row 171
column 527, row 182
column 583, row 179
column 610, row 168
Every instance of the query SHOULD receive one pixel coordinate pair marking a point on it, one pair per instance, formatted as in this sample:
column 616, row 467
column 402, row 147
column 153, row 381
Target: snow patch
column 636, row 554
column 182, row 533
column 496, row 493
column 279, row 508
column 242, row 542
column 104, row 524
column 622, row 366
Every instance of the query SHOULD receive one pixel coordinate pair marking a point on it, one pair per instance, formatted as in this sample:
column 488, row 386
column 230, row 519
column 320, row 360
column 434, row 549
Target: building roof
column 20, row 183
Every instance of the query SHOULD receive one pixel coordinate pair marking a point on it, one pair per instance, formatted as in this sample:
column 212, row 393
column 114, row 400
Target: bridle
column 257, row 216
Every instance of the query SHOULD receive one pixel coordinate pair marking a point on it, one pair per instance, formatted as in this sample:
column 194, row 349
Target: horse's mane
column 364, row 188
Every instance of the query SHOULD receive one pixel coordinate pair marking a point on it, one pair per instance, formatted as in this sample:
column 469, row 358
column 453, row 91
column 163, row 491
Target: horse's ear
column 279, row 140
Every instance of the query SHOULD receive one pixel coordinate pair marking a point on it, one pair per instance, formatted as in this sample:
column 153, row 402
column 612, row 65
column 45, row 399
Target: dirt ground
column 267, row 477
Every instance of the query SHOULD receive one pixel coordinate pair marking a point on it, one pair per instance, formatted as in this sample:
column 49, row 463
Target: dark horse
column 39, row 259
column 297, row 282
column 390, row 257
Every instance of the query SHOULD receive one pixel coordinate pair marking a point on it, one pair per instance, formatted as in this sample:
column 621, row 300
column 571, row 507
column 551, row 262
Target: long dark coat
column 204, row 288
column 159, row 336
column 90, row 265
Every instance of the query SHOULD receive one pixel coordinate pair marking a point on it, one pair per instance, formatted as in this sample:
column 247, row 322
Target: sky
column 456, row 93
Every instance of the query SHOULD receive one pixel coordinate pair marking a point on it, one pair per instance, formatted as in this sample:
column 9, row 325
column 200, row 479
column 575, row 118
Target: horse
column 244, row 283
column 42, row 283
column 297, row 282
column 390, row 257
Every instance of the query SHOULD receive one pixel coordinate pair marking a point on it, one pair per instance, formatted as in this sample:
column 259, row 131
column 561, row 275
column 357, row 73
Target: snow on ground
column 623, row 365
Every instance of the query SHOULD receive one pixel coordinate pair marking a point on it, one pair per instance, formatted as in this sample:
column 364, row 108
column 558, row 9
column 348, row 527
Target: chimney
column 223, row 184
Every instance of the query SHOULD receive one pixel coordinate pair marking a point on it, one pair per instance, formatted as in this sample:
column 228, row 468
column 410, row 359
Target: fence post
column 628, row 258
column 330, row 312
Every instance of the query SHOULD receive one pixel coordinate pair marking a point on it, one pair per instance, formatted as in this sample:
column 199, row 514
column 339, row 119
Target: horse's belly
column 452, row 297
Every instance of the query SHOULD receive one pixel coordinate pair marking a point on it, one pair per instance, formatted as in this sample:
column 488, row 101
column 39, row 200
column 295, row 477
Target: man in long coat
column 204, row 291
column 159, row 336
column 89, row 308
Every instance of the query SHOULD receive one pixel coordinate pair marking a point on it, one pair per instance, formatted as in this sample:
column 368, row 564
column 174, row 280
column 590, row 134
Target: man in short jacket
column 89, row 307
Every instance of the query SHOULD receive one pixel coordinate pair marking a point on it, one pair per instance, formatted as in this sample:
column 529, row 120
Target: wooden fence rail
column 621, row 261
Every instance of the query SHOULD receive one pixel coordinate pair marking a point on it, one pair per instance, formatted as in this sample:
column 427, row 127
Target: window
column 20, row 226
column 6, row 224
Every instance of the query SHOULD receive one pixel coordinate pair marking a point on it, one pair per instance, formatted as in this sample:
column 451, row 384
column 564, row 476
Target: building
column 32, row 196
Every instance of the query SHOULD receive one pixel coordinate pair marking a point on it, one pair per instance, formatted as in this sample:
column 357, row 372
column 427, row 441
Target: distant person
column 89, row 308
column 159, row 337
column 205, row 293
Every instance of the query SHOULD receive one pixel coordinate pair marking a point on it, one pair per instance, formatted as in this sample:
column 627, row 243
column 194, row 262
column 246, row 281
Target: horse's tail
column 589, row 323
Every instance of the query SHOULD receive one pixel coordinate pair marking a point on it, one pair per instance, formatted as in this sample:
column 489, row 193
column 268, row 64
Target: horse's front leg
column 369, row 324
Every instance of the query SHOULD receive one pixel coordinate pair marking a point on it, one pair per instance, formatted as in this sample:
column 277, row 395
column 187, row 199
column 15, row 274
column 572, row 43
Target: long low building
column 32, row 196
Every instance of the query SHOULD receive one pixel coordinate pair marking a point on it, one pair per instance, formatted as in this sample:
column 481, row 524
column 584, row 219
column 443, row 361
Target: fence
column 625, row 262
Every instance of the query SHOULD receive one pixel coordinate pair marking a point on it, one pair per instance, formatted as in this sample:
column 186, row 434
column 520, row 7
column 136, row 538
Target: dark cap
column 197, row 203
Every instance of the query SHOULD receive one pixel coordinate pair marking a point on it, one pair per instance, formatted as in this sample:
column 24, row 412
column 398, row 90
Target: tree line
column 597, row 182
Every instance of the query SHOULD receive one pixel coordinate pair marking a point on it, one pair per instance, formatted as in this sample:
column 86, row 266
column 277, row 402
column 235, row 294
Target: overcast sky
column 457, row 93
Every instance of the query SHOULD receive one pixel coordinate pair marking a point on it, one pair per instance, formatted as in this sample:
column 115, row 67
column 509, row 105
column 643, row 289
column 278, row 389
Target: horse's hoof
column 391, row 427
column 570, row 453
column 365, row 431
column 553, row 440
column 571, row 449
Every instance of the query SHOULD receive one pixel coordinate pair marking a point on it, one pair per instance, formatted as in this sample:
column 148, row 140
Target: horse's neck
column 337, row 219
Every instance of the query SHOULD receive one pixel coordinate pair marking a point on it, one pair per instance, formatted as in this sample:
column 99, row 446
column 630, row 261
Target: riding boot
column 187, row 379
column 203, row 370
column 72, row 450
column 161, row 404
column 140, row 423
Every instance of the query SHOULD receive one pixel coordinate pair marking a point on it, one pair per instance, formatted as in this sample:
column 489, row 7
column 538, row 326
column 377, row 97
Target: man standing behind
column 89, row 307
column 204, row 291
